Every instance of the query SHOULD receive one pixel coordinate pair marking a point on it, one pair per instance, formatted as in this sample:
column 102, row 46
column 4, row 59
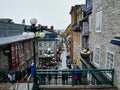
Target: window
column 97, row 56
column 85, row 30
column 50, row 43
column 40, row 44
column 45, row 44
column 40, row 52
column 109, row 60
column 98, row 27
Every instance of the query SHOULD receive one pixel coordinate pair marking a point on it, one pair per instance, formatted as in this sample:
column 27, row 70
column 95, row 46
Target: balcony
column 85, row 29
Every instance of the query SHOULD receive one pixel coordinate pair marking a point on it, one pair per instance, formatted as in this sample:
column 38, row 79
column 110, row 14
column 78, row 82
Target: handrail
column 28, row 80
column 38, row 70
column 100, row 76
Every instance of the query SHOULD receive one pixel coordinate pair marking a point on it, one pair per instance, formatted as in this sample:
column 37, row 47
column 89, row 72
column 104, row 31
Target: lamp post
column 34, row 32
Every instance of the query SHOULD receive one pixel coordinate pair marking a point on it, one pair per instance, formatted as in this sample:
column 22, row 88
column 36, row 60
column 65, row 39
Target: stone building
column 15, row 50
column 104, row 25
column 97, row 29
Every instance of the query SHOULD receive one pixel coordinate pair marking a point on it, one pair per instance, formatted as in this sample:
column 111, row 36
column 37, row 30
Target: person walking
column 49, row 77
column 56, row 75
column 65, row 76
column 43, row 76
column 77, row 75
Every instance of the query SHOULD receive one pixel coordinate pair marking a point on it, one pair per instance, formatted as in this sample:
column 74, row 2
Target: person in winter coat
column 64, row 77
column 77, row 75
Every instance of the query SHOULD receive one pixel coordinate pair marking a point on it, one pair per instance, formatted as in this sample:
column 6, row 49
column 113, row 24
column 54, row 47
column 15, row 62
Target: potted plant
column 85, row 53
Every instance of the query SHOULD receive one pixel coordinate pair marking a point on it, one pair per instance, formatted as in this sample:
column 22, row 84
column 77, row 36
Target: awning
column 116, row 40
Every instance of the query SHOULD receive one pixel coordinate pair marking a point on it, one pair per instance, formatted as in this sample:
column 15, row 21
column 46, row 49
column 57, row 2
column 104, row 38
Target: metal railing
column 3, row 77
column 75, row 77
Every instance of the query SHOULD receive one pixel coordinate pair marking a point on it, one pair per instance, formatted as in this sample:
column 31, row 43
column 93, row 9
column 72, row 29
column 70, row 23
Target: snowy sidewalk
column 63, row 58
column 21, row 86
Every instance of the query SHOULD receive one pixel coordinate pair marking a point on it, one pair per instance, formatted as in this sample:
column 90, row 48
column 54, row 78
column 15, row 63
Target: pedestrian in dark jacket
column 56, row 74
column 77, row 75
column 65, row 76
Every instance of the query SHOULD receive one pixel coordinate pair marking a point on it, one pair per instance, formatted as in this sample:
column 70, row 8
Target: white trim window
column 45, row 44
column 40, row 44
column 109, row 60
column 97, row 56
column 98, row 27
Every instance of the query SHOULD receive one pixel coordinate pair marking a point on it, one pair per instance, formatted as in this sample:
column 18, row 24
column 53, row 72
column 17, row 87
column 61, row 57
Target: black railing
column 75, row 77
column 3, row 77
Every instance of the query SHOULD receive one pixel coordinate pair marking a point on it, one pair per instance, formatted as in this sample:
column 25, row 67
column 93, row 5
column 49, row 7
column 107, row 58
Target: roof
column 73, row 8
column 5, row 20
column 12, row 39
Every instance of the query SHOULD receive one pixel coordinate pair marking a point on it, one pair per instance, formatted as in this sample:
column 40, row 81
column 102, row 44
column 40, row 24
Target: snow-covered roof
column 11, row 39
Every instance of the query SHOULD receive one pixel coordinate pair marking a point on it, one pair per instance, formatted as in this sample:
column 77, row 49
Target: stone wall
column 110, row 28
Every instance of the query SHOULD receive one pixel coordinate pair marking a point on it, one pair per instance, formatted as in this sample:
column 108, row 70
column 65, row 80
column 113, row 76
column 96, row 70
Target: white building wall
column 45, row 46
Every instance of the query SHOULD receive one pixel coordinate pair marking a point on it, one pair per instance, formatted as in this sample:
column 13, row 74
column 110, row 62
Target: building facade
column 98, row 26
column 15, row 50
column 69, row 41
column 103, row 26
column 48, row 42
column 77, row 14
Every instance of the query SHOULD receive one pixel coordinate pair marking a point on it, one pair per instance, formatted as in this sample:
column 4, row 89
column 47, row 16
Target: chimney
column 51, row 28
column 23, row 21
column 46, row 27
column 39, row 25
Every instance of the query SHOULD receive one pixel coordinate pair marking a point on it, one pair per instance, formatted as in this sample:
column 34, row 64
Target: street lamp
column 34, row 32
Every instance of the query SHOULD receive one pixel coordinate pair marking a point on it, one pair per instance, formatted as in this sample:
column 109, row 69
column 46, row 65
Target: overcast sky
column 47, row 12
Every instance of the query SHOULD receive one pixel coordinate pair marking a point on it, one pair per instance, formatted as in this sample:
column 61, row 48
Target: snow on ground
column 63, row 58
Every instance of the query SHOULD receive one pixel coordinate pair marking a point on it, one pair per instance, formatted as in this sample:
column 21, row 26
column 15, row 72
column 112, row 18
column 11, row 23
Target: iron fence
column 75, row 77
